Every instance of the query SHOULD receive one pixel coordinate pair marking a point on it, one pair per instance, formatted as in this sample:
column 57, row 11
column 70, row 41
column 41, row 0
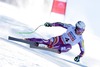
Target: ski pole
column 31, row 31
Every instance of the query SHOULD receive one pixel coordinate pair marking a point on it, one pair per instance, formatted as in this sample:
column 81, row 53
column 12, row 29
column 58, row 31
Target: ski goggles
column 79, row 29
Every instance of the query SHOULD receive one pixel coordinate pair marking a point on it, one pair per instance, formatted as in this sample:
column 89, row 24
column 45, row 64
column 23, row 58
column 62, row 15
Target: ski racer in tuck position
column 64, row 42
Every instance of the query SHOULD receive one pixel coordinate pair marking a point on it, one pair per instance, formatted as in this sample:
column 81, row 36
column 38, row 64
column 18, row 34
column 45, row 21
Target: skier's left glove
column 77, row 58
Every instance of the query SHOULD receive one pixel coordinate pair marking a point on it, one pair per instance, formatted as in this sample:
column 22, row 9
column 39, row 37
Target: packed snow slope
column 14, row 54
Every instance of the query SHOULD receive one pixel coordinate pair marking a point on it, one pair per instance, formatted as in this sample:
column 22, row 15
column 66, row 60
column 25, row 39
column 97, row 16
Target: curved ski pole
column 31, row 31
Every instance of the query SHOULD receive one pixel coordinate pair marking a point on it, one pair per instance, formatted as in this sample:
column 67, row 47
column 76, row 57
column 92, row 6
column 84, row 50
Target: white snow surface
column 14, row 54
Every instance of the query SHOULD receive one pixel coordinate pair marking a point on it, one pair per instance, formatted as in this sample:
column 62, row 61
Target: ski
column 32, row 44
column 76, row 63
column 68, row 61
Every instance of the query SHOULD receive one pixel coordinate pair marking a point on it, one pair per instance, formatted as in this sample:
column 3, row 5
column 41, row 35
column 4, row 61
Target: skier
column 64, row 42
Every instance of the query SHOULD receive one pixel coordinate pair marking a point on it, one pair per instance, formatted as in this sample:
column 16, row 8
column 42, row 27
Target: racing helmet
column 80, row 27
column 80, row 24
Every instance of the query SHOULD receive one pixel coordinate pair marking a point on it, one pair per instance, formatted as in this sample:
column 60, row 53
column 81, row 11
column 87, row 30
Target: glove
column 77, row 58
column 47, row 24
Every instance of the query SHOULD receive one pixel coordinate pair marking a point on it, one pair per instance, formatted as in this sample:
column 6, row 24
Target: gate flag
column 58, row 11
column 59, row 6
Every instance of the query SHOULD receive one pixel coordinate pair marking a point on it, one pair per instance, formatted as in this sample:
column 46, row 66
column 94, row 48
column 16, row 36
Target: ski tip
column 9, row 37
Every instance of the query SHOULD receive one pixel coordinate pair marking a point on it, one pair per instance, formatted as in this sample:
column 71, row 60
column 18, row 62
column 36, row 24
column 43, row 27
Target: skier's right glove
column 47, row 24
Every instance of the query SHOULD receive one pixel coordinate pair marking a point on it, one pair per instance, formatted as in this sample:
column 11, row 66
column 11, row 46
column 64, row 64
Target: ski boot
column 49, row 46
column 35, row 44
column 59, row 51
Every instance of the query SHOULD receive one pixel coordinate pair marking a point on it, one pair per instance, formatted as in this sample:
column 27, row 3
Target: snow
column 14, row 54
